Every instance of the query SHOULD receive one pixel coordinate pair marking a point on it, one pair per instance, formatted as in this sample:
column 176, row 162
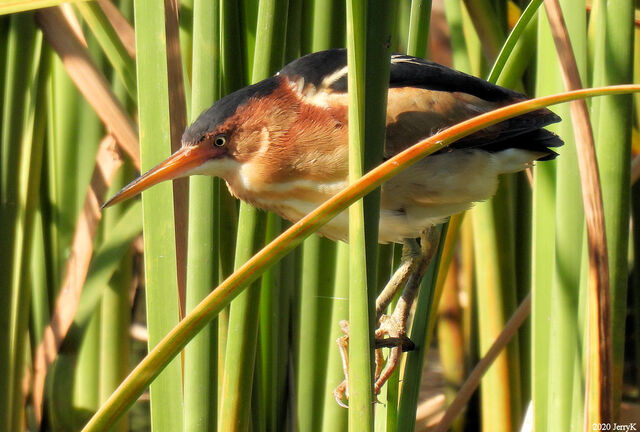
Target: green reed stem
column 157, row 206
column 360, row 384
column 613, row 126
column 334, row 417
column 411, row 379
column 242, row 340
column 200, row 356
column 318, row 272
column 419, row 28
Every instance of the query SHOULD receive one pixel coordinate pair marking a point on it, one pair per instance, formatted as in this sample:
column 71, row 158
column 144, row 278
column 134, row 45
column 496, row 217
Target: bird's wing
column 409, row 71
column 425, row 97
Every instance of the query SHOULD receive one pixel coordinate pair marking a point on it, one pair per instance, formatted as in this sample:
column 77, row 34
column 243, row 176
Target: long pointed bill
column 175, row 166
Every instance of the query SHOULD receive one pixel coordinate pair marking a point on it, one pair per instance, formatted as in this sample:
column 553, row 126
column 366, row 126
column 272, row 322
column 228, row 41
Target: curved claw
column 340, row 394
column 392, row 363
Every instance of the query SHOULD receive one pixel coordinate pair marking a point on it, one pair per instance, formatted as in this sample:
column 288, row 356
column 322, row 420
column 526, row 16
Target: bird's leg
column 395, row 325
column 408, row 264
column 428, row 244
column 410, row 261
column 392, row 329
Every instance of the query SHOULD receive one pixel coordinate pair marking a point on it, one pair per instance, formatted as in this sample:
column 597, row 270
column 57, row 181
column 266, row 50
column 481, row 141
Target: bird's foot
column 391, row 333
column 392, row 329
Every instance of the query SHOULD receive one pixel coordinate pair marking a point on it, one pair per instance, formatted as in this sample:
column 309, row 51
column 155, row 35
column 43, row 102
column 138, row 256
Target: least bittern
column 282, row 145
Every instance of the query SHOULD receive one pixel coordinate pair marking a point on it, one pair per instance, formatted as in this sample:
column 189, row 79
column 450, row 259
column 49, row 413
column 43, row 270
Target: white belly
column 423, row 195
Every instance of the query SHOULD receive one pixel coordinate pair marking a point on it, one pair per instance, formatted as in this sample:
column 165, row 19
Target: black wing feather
column 405, row 71
column 523, row 132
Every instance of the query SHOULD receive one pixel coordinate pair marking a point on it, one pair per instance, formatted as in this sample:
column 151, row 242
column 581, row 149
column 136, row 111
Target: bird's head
column 216, row 143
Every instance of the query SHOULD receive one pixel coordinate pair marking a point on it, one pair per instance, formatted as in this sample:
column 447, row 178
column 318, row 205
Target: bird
column 282, row 145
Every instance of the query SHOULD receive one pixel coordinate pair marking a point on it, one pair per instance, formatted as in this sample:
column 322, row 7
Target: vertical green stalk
column 21, row 157
column 187, row 14
column 233, row 77
column 237, row 381
column 507, row 71
column 20, row 37
column 4, row 59
column 318, row 270
column 40, row 305
column 418, row 37
column 200, row 357
column 86, row 397
column 495, row 242
column 249, row 13
column 544, row 227
column 453, row 12
column 334, row 417
column 86, row 391
column 403, row 17
column 114, row 337
column 40, row 255
column 513, row 40
column 473, row 39
column 289, row 280
column 613, row 144
column 115, row 347
column 64, row 107
column 31, row 146
column 270, row 322
column 186, row 36
column 378, row 27
column 367, row 34
column 360, row 385
column 523, row 254
column 293, row 39
column 634, row 292
column 564, row 343
column 387, row 409
column 494, row 258
column 488, row 24
column 328, row 24
column 280, row 285
column 116, row 304
column 317, row 281
column 232, row 43
column 69, row 169
column 244, row 318
column 450, row 340
column 269, row 49
column 411, row 379
column 419, row 27
column 157, row 207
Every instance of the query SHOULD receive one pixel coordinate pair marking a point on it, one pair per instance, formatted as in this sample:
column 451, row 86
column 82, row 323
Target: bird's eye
column 220, row 141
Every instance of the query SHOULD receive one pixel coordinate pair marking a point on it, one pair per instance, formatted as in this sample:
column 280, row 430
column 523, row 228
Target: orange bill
column 175, row 166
